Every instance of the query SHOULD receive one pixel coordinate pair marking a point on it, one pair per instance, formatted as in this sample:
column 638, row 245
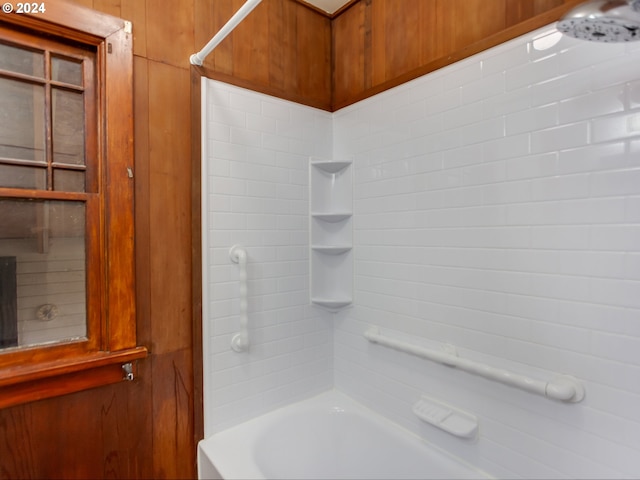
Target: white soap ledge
column 445, row 417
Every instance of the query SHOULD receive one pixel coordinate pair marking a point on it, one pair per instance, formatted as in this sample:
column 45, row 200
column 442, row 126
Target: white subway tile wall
column 256, row 194
column 497, row 209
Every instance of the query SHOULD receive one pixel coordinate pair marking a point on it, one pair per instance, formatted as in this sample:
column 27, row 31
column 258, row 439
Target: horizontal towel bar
column 564, row 388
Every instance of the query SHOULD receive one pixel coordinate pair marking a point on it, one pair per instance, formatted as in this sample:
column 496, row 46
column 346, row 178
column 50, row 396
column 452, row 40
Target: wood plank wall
column 282, row 48
column 378, row 44
column 149, row 428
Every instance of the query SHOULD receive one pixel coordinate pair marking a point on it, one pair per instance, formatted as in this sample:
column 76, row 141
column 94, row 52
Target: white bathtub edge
column 219, row 459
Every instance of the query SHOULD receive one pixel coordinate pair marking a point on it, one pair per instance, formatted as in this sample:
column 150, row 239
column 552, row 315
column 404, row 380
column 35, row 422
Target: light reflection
column 546, row 41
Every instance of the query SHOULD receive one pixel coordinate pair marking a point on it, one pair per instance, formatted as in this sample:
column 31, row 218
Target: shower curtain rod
column 198, row 58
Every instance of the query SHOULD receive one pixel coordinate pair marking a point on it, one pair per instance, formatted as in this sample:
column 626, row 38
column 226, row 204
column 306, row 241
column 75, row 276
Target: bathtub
column 329, row 436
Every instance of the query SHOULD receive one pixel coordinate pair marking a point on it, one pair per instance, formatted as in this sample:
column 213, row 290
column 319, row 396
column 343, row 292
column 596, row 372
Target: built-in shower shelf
column 330, row 166
column 331, row 249
column 332, row 303
column 332, row 217
column 331, row 236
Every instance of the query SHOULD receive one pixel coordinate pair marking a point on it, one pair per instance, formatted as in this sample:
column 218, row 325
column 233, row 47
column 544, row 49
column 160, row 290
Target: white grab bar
column 240, row 341
column 564, row 388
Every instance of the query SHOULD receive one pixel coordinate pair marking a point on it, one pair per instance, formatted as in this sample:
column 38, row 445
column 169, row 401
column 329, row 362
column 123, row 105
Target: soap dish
column 446, row 417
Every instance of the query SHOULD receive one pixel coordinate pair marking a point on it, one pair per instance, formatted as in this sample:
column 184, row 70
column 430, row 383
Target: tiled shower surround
column 496, row 208
column 256, row 194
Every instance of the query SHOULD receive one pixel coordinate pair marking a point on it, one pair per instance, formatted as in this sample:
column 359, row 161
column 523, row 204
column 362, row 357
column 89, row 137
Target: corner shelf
column 332, row 217
column 332, row 304
column 331, row 249
column 331, row 242
column 330, row 166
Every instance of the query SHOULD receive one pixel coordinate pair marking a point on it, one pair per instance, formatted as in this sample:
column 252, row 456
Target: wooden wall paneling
column 376, row 38
column 313, row 55
column 472, row 20
column 211, row 17
column 112, row 7
column 448, row 31
column 97, row 433
column 403, row 36
column 281, row 44
column 45, row 444
column 435, row 40
column 250, row 45
column 204, row 26
column 174, row 449
column 170, row 207
column 442, row 38
column 282, row 48
column 17, row 447
column 136, row 11
column 369, row 50
column 135, row 416
column 348, row 54
column 170, row 31
column 127, row 412
column 84, row 3
column 542, row 6
column 518, row 11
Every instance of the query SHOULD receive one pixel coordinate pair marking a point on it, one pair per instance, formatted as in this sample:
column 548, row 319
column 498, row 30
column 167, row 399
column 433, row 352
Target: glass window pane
column 67, row 71
column 23, row 61
column 68, row 127
column 8, row 303
column 47, row 240
column 68, row 180
column 17, row 176
column 21, row 120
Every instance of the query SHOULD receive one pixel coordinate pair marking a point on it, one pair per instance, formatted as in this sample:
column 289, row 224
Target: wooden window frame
column 37, row 372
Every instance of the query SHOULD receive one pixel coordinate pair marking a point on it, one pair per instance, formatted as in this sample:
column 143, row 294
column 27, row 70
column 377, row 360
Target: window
column 66, row 202
column 49, row 180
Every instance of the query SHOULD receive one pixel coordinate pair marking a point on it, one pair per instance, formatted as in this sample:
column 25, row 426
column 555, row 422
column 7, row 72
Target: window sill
column 28, row 383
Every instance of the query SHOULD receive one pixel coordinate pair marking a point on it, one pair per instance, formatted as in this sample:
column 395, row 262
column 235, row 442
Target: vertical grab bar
column 240, row 341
